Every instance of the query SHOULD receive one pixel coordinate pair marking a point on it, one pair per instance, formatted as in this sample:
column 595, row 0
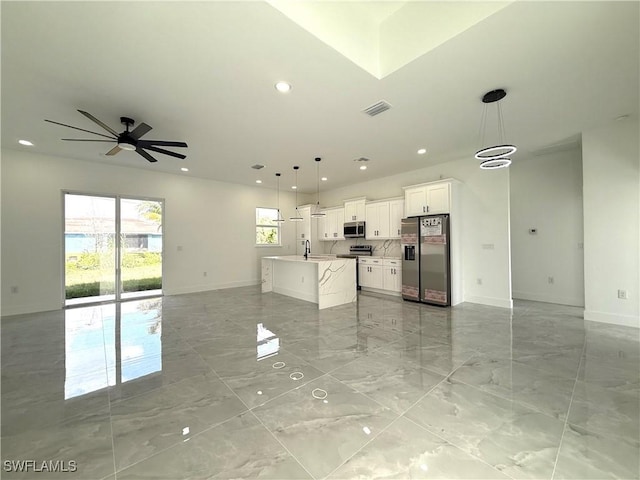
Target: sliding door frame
column 119, row 286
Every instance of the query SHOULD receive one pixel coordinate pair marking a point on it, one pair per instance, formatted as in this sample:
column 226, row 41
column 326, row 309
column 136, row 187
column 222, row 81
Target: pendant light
column 495, row 156
column 280, row 218
column 297, row 217
column 317, row 213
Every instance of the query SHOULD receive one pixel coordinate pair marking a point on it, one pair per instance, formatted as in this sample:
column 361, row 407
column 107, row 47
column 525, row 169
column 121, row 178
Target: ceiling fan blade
column 166, row 152
column 103, row 125
column 162, row 143
column 139, row 131
column 145, row 155
column 86, row 140
column 81, row 129
column 114, row 150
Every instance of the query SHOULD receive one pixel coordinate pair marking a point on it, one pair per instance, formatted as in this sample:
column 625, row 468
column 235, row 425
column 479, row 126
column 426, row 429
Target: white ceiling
column 204, row 73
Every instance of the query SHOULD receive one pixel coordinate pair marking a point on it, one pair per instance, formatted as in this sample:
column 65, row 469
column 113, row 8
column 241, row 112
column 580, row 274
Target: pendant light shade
column 297, row 217
column 280, row 218
column 497, row 155
column 317, row 213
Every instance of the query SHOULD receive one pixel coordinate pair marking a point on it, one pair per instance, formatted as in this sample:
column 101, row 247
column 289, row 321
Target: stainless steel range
column 356, row 251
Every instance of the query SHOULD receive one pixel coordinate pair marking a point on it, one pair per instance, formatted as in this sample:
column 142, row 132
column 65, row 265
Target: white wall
column 214, row 222
column 611, row 186
column 546, row 194
column 485, row 218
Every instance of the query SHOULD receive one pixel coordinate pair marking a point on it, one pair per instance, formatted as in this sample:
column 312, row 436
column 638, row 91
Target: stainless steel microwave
column 354, row 230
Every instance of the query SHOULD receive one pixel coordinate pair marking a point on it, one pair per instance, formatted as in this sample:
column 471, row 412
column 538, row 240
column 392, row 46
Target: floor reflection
column 110, row 344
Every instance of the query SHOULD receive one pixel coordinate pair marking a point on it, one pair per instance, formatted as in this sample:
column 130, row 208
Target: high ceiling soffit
column 382, row 37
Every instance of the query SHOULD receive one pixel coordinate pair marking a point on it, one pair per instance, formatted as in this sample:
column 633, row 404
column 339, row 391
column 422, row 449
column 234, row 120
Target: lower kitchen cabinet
column 370, row 271
column 380, row 274
column 392, row 275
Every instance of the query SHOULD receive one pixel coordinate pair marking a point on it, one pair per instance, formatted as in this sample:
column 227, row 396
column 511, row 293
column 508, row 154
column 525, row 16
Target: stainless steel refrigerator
column 426, row 272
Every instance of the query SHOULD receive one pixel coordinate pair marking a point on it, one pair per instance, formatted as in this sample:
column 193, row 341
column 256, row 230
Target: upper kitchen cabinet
column 330, row 226
column 384, row 218
column 396, row 214
column 304, row 229
column 428, row 198
column 377, row 215
column 354, row 209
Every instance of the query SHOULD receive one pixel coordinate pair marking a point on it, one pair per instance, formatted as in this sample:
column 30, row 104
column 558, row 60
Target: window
column 267, row 228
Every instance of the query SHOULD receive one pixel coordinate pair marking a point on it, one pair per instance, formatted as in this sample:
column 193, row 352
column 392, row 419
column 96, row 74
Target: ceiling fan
column 127, row 140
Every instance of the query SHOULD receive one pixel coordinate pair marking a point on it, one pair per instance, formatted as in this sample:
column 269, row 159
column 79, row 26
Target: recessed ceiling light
column 184, row 169
column 258, row 181
column 283, row 87
column 422, row 151
column 324, row 179
column 294, row 187
column 26, row 143
column 363, row 167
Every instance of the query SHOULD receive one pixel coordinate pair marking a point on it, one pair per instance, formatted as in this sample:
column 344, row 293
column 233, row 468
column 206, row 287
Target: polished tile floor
column 237, row 384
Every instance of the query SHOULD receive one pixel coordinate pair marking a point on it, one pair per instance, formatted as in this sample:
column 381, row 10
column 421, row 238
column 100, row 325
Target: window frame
column 275, row 225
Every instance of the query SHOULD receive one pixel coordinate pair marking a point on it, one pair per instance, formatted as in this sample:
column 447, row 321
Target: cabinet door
column 392, row 278
column 377, row 217
column 339, row 224
column 396, row 214
column 438, row 198
column 415, row 201
column 303, row 228
column 372, row 219
column 376, row 277
column 322, row 227
column 354, row 211
column 331, row 224
column 364, row 275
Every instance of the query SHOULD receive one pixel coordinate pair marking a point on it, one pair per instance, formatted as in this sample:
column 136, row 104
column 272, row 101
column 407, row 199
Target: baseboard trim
column 210, row 286
column 490, row 301
column 26, row 309
column 613, row 318
column 537, row 297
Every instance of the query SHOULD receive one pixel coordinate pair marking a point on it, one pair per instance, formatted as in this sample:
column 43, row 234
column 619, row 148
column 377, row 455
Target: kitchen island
column 325, row 280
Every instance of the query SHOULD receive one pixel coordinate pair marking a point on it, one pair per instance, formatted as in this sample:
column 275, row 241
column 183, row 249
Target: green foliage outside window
column 267, row 229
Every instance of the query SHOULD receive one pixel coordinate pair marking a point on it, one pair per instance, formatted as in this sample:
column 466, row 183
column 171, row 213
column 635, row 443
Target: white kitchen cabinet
column 396, row 214
column 377, row 220
column 330, row 226
column 427, row 199
column 303, row 229
column 392, row 275
column 370, row 273
column 354, row 210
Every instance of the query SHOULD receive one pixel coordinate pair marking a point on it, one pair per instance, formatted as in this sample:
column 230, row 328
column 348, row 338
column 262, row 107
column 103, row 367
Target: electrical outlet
column 479, row 281
column 14, row 289
column 622, row 294
column 550, row 280
column 179, row 248
column 302, row 281
column 204, row 274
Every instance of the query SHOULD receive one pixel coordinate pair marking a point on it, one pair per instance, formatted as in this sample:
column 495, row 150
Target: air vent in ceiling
column 377, row 108
column 257, row 166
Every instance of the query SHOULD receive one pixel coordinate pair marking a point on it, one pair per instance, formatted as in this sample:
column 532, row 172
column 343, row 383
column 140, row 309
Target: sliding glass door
column 113, row 248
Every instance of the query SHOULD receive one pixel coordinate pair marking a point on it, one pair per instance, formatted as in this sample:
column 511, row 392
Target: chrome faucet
column 307, row 249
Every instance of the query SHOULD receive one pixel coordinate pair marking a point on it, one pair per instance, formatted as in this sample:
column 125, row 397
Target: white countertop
column 311, row 258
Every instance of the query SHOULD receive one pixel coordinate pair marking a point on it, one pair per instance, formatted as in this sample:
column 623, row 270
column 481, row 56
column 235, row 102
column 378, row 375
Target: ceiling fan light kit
column 494, row 156
column 127, row 140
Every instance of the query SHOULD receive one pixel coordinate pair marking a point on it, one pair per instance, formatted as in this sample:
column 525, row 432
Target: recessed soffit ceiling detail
column 382, row 37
